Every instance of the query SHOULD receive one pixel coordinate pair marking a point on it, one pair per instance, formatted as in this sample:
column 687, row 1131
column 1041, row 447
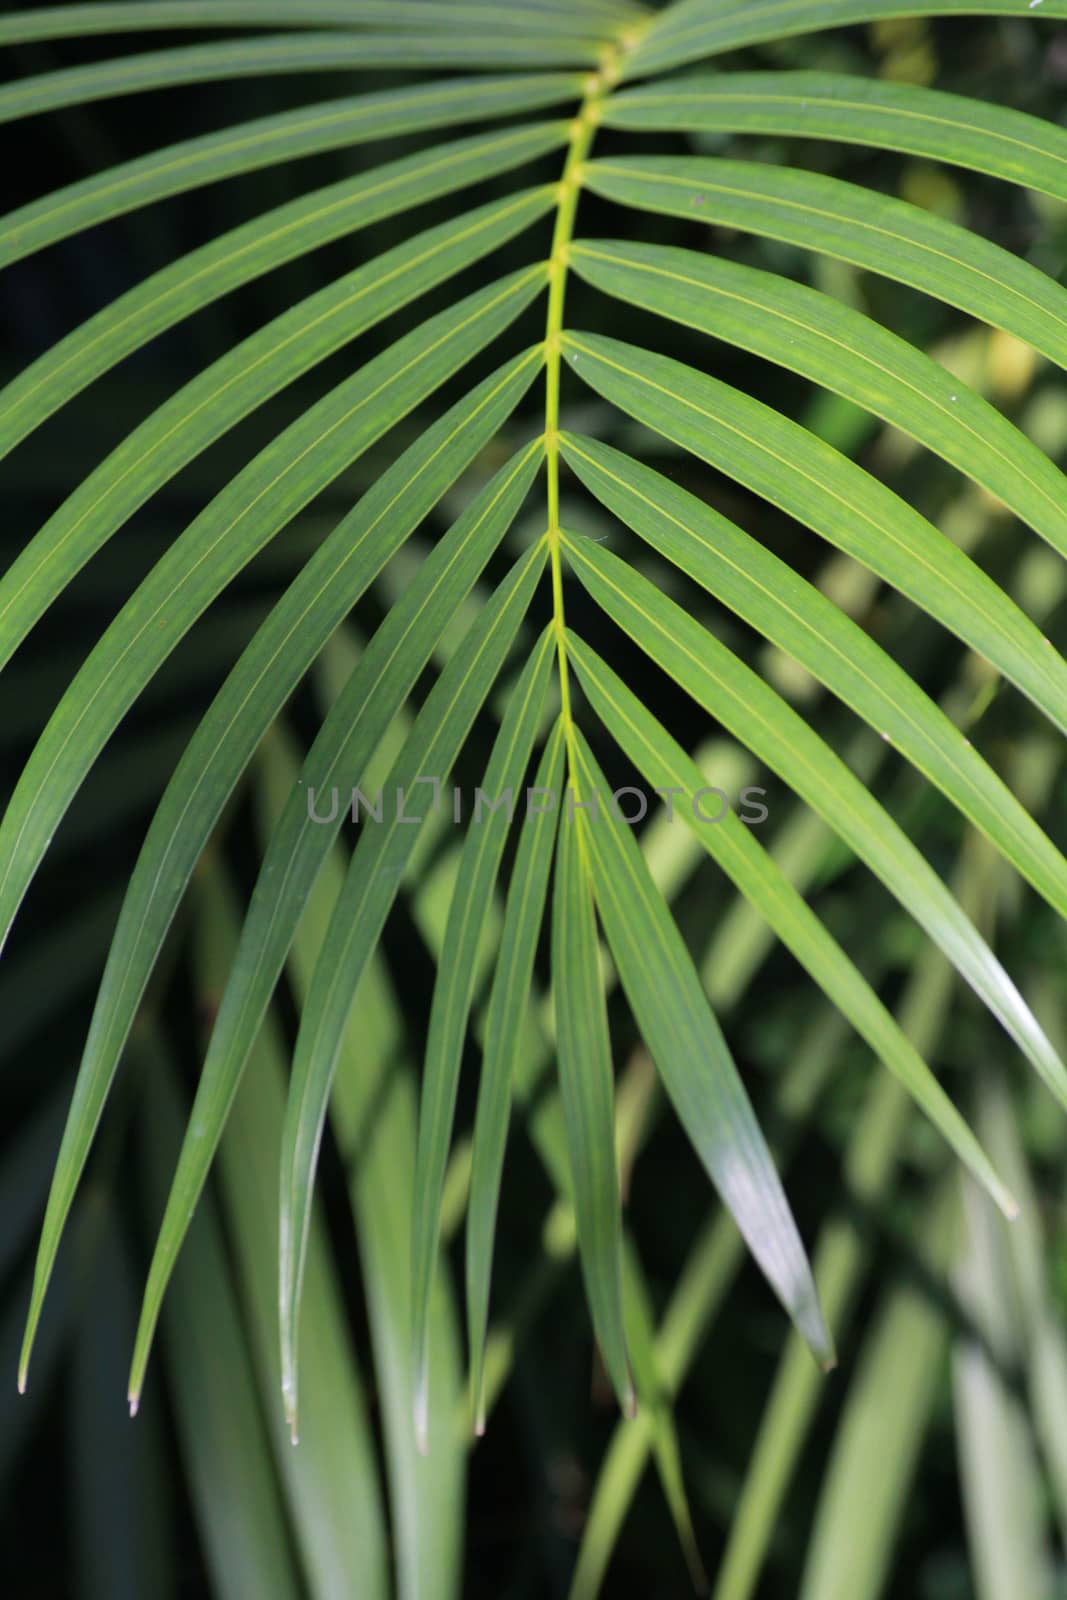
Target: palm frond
column 457, row 372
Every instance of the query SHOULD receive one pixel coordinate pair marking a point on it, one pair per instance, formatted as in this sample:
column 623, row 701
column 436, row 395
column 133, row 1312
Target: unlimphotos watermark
column 628, row 804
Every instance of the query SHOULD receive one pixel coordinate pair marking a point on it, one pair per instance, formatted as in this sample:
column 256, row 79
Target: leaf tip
column 289, row 1401
column 421, row 1410
column 25, row 1354
column 291, row 1423
column 477, row 1397
column 136, row 1382
column 822, row 1346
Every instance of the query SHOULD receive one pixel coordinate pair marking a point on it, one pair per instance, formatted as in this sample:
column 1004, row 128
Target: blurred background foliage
column 933, row 1463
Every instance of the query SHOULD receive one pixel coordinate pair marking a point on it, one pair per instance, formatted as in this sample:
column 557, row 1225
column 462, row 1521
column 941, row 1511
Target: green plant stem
column 583, row 130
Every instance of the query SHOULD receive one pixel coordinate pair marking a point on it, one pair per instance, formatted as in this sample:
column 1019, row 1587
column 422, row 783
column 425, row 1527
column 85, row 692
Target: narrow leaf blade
column 867, row 111
column 693, row 1059
column 586, row 1083
column 508, row 1002
column 839, row 219
column 368, row 894
column 759, row 718
column 454, row 989
column 301, row 840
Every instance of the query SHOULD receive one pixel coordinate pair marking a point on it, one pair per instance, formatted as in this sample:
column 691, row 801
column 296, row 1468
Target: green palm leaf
column 822, row 489
column 917, row 617
column 288, row 53
column 732, row 844
column 362, row 907
column 695, row 29
column 331, row 1485
column 299, row 846
column 508, row 1003
column 253, row 693
column 743, row 703
column 737, row 570
column 586, row 1084
column 454, row 988
column 692, row 1056
column 251, row 146
column 842, row 350
column 866, row 111
column 222, row 1431
column 259, row 501
column 372, row 1112
column 711, row 1267
column 135, row 16
column 232, row 387
column 886, row 236
column 200, row 278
